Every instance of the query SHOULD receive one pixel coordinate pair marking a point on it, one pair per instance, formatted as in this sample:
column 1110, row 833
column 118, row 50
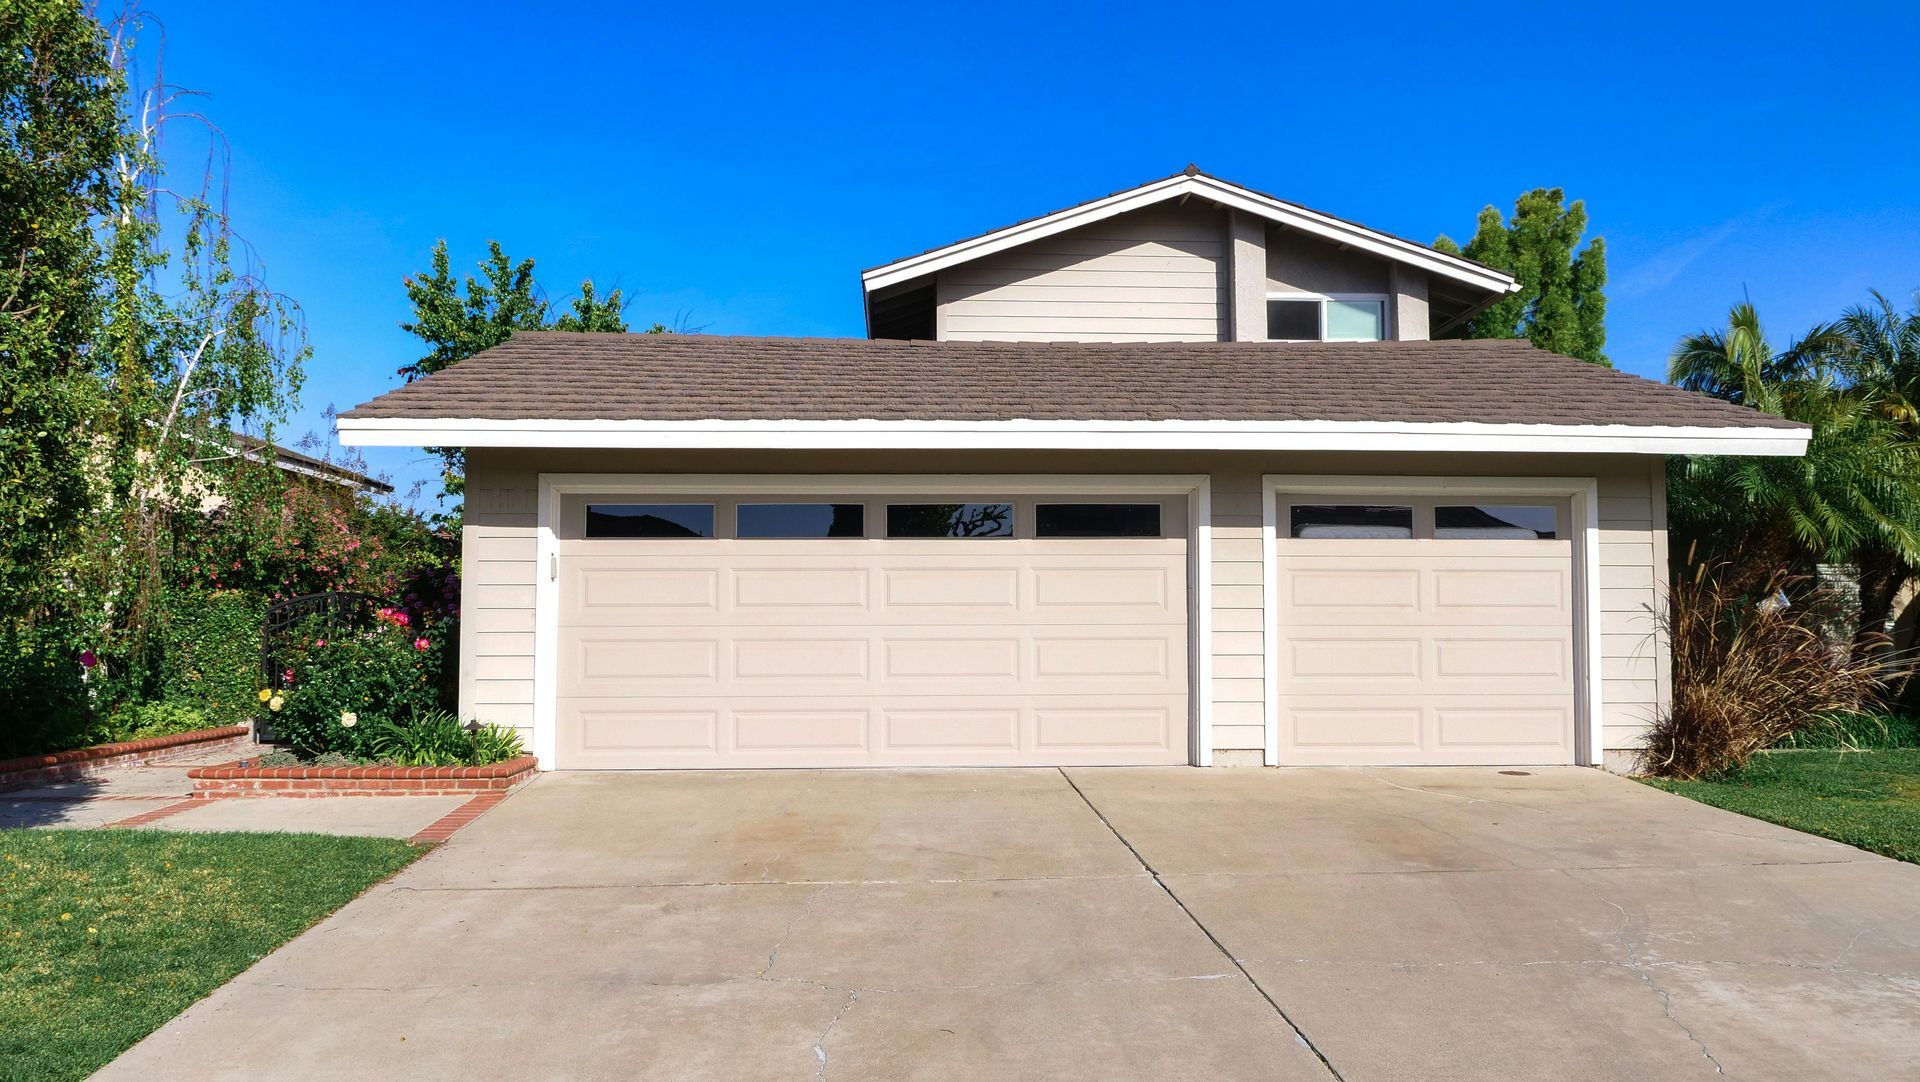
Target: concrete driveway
column 1119, row 923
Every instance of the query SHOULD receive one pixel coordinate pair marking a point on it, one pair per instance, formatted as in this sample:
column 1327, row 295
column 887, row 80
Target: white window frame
column 1197, row 489
column 1583, row 496
column 1386, row 313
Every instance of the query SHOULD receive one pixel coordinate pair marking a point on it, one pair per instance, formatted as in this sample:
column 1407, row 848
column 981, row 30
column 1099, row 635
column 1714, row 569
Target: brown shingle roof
column 553, row 375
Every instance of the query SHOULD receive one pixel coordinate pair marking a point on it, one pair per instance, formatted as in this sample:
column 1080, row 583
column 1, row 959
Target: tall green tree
column 136, row 335
column 459, row 318
column 1562, row 304
column 59, row 129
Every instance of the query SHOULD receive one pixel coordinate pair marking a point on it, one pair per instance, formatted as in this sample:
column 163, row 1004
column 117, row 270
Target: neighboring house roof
column 1192, row 182
column 306, row 465
column 552, row 388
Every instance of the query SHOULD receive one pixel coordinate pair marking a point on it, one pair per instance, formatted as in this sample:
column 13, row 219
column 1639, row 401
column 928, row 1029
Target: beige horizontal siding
column 498, row 547
column 1239, row 615
column 1155, row 275
column 1633, row 663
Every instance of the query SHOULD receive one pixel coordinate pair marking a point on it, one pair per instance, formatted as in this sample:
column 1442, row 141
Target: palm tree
column 1855, row 493
column 1880, row 357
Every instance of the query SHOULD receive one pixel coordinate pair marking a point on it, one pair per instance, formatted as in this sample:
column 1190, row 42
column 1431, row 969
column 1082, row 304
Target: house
column 1178, row 475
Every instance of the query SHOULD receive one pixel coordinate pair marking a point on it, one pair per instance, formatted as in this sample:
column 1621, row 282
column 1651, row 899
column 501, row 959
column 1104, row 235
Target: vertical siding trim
column 1586, row 510
column 546, row 626
column 1269, row 608
column 1200, row 554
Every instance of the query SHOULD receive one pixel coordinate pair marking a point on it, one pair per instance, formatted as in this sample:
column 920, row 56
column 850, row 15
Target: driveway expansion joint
column 1299, row 1035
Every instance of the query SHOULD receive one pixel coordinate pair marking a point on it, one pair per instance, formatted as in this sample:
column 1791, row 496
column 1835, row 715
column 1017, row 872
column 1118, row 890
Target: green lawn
column 106, row 934
column 1869, row 799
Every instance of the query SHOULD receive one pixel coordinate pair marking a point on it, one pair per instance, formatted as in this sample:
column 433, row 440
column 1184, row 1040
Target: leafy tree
column 1561, row 305
column 504, row 299
column 136, row 335
column 59, row 128
column 1854, row 497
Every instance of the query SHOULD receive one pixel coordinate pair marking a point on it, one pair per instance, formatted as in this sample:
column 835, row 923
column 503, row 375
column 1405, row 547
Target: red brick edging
column 155, row 815
column 234, row 780
column 35, row 770
column 444, row 827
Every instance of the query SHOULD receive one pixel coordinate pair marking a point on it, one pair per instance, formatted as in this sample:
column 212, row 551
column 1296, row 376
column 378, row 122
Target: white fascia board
column 1229, row 195
column 1073, row 435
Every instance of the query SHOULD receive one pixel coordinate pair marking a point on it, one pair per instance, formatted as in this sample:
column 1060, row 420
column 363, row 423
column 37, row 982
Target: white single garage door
column 1425, row 631
column 906, row 630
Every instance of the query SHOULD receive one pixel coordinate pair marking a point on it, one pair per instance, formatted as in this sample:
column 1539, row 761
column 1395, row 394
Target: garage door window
column 650, row 520
column 950, row 520
column 1501, row 522
column 1096, row 520
column 798, row 520
column 1352, row 521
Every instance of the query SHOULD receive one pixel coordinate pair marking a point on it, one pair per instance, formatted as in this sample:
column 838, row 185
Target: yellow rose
column 265, row 694
column 274, row 704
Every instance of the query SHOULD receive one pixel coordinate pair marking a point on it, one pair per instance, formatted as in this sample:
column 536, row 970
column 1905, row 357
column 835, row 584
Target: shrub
column 1747, row 673
column 1857, row 732
column 213, row 652
column 136, row 721
column 436, row 738
column 43, row 698
column 495, row 744
column 347, row 681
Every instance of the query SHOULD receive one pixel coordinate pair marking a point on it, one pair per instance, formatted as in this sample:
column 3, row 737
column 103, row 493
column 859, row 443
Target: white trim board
column 1197, row 488
column 1212, row 189
column 1584, row 494
column 1172, row 435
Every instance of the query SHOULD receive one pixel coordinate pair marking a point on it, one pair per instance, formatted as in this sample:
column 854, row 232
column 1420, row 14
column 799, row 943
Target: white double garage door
column 983, row 628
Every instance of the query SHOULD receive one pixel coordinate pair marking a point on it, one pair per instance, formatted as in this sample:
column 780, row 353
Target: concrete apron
column 991, row 923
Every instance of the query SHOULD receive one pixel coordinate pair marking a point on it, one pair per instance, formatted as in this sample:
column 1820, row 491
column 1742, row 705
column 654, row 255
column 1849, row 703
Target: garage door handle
column 553, row 568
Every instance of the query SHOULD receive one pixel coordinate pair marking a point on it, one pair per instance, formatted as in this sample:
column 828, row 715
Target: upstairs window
column 1304, row 318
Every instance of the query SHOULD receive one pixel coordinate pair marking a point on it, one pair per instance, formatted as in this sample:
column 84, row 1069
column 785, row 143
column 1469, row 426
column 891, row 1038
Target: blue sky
column 734, row 166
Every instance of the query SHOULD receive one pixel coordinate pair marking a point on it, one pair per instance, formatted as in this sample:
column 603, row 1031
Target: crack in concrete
column 820, row 1043
column 806, row 909
column 1299, row 1035
column 1642, row 970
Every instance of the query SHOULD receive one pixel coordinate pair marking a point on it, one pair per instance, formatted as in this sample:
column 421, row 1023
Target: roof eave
column 1226, row 194
column 1099, row 435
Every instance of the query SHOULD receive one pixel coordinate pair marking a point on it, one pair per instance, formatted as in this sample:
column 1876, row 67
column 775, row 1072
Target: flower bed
column 236, row 780
column 81, row 762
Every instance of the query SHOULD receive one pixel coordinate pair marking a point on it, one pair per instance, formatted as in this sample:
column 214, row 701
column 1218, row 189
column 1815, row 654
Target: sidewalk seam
column 1298, row 1034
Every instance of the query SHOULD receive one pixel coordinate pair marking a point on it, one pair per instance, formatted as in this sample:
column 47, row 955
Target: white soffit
column 1072, row 435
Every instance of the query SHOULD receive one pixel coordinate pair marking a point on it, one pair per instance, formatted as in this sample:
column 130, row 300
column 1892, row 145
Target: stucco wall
column 497, row 641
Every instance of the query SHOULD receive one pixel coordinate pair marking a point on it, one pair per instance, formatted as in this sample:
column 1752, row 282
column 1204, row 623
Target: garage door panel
column 618, row 585
column 1501, row 591
column 1133, row 724
column 805, row 729
column 1500, row 659
column 1324, row 655
column 808, row 658
column 1342, row 724
column 845, row 653
column 1481, row 726
column 939, row 657
column 1416, row 650
column 800, row 589
column 908, row 730
column 994, row 588
column 621, row 730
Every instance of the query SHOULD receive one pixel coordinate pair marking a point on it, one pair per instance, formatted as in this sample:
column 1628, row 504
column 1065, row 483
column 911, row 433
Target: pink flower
column 88, row 659
column 421, row 644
